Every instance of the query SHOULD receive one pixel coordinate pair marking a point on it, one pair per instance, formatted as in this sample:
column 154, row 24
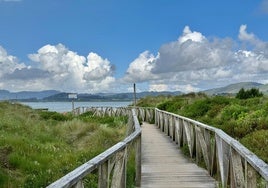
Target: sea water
column 67, row 106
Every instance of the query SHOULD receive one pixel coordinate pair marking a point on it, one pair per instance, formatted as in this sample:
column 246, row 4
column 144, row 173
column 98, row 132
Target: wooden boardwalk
column 164, row 165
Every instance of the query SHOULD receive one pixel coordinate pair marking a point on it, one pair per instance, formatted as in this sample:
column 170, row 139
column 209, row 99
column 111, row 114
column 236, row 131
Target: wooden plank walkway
column 164, row 165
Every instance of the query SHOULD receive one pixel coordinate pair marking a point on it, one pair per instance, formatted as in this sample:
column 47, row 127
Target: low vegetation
column 38, row 147
column 244, row 119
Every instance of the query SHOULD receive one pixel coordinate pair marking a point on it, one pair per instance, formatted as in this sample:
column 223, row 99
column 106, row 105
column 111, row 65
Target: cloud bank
column 192, row 62
column 58, row 68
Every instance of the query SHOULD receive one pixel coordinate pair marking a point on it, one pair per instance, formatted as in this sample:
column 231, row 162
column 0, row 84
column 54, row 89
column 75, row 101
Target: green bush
column 171, row 105
column 197, row 109
column 46, row 115
column 257, row 142
column 245, row 94
column 233, row 111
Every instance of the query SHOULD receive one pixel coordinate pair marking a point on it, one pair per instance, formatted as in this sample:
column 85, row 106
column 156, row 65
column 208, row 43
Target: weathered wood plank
column 237, row 177
column 250, row 176
column 203, row 145
column 163, row 164
column 189, row 136
column 118, row 179
column 79, row 184
column 138, row 162
column 103, row 175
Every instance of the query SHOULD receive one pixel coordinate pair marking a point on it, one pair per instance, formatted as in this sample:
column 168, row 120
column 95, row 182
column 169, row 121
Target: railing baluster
column 79, row 184
column 103, row 180
column 118, row 179
column 237, row 175
column 138, row 162
column 203, row 146
column 250, row 176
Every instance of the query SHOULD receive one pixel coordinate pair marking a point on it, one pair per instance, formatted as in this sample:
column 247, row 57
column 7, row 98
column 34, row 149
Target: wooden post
column 237, row 176
column 72, row 96
column 250, row 176
column 134, row 87
column 73, row 105
column 118, row 179
column 79, row 184
column 103, row 175
column 138, row 162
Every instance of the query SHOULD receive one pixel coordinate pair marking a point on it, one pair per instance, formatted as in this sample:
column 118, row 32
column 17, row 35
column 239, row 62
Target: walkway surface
column 164, row 165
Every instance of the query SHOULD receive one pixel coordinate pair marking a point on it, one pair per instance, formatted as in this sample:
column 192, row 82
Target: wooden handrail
column 111, row 161
column 224, row 157
column 237, row 166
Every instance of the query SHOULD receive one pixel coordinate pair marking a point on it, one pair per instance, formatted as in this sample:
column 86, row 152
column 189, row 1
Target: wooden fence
column 111, row 164
column 225, row 158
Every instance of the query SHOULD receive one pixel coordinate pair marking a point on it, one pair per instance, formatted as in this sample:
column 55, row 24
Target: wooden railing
column 225, row 158
column 111, row 164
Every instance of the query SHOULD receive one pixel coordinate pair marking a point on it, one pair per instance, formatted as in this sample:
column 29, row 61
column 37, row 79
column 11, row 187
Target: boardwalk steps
column 164, row 165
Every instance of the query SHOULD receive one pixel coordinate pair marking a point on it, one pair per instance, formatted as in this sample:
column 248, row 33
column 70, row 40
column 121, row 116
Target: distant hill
column 106, row 96
column 26, row 95
column 54, row 95
column 264, row 89
column 234, row 88
column 80, row 97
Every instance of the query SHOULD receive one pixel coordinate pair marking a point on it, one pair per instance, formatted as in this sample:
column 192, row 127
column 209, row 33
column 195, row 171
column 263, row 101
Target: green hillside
column 234, row 88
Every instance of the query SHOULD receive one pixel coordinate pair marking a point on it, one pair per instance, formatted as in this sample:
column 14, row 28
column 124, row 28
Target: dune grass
column 37, row 147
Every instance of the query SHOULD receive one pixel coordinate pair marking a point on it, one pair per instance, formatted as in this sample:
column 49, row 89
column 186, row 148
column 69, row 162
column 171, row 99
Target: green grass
column 38, row 147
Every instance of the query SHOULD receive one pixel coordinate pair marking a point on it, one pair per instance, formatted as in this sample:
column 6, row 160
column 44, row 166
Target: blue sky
column 107, row 45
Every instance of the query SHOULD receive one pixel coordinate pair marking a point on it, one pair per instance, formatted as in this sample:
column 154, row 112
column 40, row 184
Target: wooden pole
column 138, row 162
column 134, row 86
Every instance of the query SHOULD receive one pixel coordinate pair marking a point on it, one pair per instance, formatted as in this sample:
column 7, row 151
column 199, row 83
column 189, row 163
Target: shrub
column 245, row 94
column 46, row 115
column 257, row 142
column 233, row 111
column 172, row 105
column 197, row 109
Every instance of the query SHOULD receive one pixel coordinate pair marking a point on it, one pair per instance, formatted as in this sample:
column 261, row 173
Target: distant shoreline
column 68, row 100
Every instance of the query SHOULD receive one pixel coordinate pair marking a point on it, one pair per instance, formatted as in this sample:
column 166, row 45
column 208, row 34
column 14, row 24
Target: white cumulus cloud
column 189, row 35
column 72, row 71
column 244, row 35
column 57, row 67
column 140, row 69
column 195, row 61
column 97, row 68
column 193, row 51
column 8, row 62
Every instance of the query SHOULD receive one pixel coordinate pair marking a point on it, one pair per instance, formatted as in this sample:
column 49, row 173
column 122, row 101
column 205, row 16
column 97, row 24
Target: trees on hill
column 251, row 93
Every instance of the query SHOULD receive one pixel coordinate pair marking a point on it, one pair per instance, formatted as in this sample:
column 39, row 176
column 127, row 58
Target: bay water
column 67, row 106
